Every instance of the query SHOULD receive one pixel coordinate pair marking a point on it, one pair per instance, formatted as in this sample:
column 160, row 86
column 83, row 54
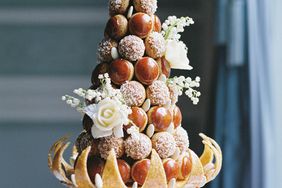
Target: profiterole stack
column 133, row 134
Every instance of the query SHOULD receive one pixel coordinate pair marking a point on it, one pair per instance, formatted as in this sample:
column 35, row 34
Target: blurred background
column 48, row 48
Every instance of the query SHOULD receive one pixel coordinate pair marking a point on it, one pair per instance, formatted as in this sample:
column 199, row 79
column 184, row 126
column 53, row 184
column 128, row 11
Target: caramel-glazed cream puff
column 116, row 27
column 171, row 168
column 141, row 24
column 160, row 117
column 139, row 118
column 121, row 71
column 147, row 70
column 140, row 170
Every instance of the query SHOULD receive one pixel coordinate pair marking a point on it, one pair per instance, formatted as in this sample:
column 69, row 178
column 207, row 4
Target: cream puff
column 131, row 48
column 147, row 70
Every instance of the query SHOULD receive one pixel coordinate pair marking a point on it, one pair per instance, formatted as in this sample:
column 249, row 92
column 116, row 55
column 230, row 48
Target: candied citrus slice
column 58, row 163
column 54, row 149
column 81, row 175
column 111, row 176
column 156, row 175
column 207, row 155
column 212, row 169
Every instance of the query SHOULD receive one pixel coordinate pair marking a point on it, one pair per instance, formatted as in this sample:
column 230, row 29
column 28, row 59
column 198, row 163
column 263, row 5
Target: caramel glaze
column 164, row 66
column 157, row 24
column 140, row 170
column 171, row 169
column 139, row 118
column 177, row 117
column 141, row 24
column 121, row 71
column 116, row 27
column 147, row 70
column 160, row 117
column 186, row 166
column 124, row 170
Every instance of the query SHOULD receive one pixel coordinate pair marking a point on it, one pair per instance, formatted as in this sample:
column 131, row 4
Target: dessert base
column 204, row 168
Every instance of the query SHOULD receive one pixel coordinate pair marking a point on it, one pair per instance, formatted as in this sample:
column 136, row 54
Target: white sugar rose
column 108, row 117
column 176, row 55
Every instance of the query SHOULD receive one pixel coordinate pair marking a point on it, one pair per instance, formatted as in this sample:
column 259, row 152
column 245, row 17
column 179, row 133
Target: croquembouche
column 133, row 134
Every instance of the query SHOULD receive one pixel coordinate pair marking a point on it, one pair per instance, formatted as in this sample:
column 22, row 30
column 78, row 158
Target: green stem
column 169, row 30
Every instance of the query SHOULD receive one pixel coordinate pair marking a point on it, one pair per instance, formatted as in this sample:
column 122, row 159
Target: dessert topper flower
column 176, row 55
column 108, row 117
column 109, row 111
column 176, row 50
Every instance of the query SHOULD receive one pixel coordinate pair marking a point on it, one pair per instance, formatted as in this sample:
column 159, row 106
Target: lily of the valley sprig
column 186, row 85
column 102, row 92
column 176, row 50
column 74, row 102
column 173, row 26
column 107, row 108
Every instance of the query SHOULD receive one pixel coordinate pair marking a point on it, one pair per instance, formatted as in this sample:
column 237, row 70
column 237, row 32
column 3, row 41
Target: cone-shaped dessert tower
column 133, row 134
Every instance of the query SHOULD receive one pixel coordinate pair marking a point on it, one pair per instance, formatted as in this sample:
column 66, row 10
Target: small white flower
column 198, row 79
column 189, row 93
column 76, row 101
column 164, row 26
column 167, row 22
column 189, row 79
column 172, row 18
column 106, row 75
column 64, row 98
column 180, row 92
column 186, row 85
column 176, row 55
column 192, row 84
column 80, row 92
column 98, row 99
column 181, row 78
column 69, row 101
column 195, row 101
column 100, row 76
column 177, row 36
column 173, row 25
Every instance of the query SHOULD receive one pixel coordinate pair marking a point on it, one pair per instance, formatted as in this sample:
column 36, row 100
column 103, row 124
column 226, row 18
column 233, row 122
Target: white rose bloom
column 108, row 117
column 176, row 55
